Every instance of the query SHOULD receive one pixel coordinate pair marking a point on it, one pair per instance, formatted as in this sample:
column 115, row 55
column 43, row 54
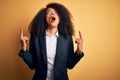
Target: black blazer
column 36, row 57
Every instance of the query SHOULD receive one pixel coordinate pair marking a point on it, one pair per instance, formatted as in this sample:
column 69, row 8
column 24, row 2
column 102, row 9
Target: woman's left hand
column 79, row 42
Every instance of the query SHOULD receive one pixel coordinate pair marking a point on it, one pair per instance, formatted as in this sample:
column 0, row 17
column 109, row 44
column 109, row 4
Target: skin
column 52, row 28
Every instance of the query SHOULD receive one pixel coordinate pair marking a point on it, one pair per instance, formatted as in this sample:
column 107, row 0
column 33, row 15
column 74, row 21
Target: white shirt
column 51, row 41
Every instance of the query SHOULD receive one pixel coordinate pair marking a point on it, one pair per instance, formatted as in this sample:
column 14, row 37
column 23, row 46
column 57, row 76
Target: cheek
column 58, row 19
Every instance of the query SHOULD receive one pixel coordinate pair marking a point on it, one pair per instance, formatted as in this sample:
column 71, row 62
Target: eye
column 51, row 12
column 48, row 12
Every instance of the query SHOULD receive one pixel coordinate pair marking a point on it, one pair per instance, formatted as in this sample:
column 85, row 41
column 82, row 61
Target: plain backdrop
column 98, row 21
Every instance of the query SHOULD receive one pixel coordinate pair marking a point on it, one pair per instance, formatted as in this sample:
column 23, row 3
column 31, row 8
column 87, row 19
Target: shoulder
column 69, row 37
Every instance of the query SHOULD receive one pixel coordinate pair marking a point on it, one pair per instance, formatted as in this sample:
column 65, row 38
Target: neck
column 52, row 31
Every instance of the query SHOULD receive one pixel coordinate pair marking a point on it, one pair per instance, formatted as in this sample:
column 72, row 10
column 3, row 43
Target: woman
column 51, row 44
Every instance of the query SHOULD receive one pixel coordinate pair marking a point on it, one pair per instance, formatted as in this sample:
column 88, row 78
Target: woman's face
column 52, row 18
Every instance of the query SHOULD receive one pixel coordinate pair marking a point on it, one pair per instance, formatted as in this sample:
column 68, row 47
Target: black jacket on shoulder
column 65, row 58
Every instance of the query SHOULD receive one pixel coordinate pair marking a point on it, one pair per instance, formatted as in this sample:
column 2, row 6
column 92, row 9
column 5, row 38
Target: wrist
column 78, row 51
column 24, row 48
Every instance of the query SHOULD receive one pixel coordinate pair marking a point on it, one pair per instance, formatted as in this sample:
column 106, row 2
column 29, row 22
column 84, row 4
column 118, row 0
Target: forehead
column 50, row 9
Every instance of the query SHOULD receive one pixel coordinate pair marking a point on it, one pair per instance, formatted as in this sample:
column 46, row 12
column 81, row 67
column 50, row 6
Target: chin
column 54, row 26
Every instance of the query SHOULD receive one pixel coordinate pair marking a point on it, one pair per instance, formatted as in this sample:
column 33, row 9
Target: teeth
column 53, row 18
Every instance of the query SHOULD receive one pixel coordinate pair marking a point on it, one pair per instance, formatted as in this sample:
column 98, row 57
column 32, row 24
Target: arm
column 73, row 58
column 27, row 56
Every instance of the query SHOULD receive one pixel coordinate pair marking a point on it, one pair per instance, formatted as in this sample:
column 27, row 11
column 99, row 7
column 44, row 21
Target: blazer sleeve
column 29, row 56
column 73, row 57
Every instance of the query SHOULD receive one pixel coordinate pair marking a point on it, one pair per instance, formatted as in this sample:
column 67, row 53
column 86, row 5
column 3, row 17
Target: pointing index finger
column 80, row 34
column 21, row 32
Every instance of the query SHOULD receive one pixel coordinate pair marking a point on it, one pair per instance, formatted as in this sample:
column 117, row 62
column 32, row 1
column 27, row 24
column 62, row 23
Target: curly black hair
column 65, row 26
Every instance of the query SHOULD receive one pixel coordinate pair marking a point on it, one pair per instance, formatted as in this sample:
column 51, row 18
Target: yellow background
column 98, row 21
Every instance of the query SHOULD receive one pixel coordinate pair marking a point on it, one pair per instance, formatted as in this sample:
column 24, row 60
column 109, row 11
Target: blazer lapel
column 43, row 47
column 61, row 43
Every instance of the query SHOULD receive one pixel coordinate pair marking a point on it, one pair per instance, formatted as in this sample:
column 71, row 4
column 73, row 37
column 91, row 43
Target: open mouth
column 53, row 18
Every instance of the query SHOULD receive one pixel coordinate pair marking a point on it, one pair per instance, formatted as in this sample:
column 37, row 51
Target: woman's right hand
column 24, row 40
